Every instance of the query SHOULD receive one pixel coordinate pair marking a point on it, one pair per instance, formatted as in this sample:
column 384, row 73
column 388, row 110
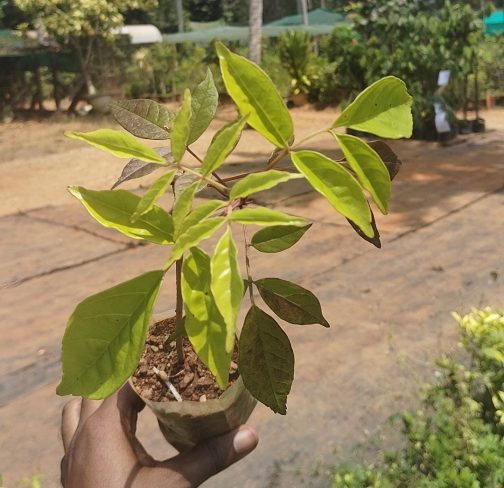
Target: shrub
column 451, row 441
column 295, row 51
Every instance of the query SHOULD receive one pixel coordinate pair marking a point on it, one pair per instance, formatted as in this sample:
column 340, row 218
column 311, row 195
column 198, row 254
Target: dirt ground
column 389, row 308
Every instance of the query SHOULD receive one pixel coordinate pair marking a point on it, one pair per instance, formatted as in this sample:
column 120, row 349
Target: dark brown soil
column 193, row 380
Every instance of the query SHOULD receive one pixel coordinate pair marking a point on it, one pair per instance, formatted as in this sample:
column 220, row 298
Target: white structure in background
column 140, row 34
column 441, row 119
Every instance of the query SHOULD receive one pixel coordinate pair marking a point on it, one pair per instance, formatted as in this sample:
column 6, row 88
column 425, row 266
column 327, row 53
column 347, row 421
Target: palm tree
column 255, row 23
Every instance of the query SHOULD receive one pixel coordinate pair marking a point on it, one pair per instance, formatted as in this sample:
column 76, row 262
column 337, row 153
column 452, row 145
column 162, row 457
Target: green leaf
column 151, row 196
column 143, row 118
column 105, row 337
column 369, row 168
column 383, row 108
column 193, row 236
column 266, row 360
column 340, row 188
column 182, row 207
column 204, row 105
column 223, row 143
column 291, row 302
column 264, row 180
column 118, row 143
column 181, row 127
column 114, row 208
column 254, row 93
column 227, row 284
column 204, row 324
column 266, row 217
column 200, row 213
column 277, row 238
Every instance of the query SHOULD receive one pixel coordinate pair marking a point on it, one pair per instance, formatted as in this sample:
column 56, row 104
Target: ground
column 389, row 308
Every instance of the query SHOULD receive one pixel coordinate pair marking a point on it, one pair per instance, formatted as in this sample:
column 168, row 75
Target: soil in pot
column 193, row 380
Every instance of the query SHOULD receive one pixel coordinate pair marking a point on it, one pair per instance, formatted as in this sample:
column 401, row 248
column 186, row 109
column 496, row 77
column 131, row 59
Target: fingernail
column 244, row 441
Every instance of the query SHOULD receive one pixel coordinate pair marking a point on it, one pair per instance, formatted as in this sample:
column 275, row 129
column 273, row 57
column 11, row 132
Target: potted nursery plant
column 191, row 369
column 295, row 52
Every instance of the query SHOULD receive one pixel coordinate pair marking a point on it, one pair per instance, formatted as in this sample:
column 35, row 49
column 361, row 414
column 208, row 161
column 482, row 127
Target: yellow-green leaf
column 118, row 143
column 204, row 324
column 151, row 196
column 261, row 181
column 193, row 236
column 254, row 93
column 266, row 360
column 200, row 213
column 383, row 108
column 204, row 102
column 105, row 337
column 223, row 143
column 114, row 208
column 227, row 284
column 369, row 168
column 265, row 217
column 181, row 128
column 182, row 206
column 340, row 188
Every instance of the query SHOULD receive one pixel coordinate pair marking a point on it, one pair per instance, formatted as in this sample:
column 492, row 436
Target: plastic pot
column 100, row 102
column 478, row 125
column 187, row 423
column 465, row 126
column 299, row 99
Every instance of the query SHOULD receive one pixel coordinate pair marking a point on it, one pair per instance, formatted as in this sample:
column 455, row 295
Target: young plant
column 106, row 333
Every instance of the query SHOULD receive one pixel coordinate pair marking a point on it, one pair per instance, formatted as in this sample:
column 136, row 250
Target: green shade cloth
column 319, row 16
column 229, row 33
column 494, row 24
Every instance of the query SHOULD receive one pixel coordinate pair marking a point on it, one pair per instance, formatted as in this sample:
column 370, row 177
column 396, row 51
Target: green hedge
column 455, row 439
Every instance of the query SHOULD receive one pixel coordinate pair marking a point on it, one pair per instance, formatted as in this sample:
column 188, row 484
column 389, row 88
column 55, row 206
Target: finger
column 120, row 412
column 214, row 455
column 70, row 421
column 88, row 407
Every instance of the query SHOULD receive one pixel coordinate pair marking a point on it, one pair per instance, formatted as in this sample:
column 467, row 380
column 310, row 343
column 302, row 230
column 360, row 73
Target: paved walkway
column 389, row 309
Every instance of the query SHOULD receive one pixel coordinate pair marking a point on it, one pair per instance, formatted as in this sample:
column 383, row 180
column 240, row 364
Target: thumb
column 214, row 455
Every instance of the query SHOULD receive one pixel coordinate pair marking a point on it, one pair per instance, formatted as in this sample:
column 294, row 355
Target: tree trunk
column 255, row 23
column 85, row 61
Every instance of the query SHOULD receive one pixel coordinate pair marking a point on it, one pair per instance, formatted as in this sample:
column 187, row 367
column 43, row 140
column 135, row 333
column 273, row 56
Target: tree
column 255, row 22
column 80, row 24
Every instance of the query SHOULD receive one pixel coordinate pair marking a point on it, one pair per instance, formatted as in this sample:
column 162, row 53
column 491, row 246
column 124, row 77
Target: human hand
column 102, row 451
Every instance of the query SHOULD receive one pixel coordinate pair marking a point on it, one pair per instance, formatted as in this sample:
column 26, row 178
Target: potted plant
column 295, row 54
column 196, row 356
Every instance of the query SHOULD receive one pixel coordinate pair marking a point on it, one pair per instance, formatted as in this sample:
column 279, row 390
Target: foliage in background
column 410, row 39
column 79, row 24
column 163, row 70
column 455, row 438
column 295, row 51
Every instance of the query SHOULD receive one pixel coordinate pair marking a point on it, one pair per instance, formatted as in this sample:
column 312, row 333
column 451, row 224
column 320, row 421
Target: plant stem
column 214, row 174
column 310, row 136
column 223, row 190
column 242, row 175
column 281, row 154
column 247, row 265
column 178, row 311
column 278, row 157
